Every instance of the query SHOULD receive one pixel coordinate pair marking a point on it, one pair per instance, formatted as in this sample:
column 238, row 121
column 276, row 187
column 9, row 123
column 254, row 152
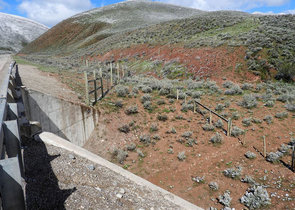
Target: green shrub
column 216, row 139
column 236, row 131
column 162, row 117
column 154, row 127
column 247, row 122
column 249, row 101
column 208, row 127
column 181, row 156
column 218, row 123
column 146, row 139
column 145, row 98
column 147, row 105
column 268, row 119
column 281, row 115
column 131, row 110
column 124, row 129
column 122, row 91
column 161, row 102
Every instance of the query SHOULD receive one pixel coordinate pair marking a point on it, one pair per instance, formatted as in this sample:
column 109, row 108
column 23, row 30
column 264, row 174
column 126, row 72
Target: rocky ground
column 58, row 179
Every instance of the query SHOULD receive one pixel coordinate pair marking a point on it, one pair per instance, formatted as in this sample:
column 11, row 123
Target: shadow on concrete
column 49, row 126
column 42, row 190
column 10, row 185
column 39, row 115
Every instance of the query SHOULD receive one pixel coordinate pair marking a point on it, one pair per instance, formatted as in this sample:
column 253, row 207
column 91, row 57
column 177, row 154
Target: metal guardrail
column 11, row 160
column 3, row 107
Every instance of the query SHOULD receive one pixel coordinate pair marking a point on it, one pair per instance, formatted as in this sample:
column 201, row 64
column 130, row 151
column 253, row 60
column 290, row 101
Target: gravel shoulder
column 59, row 179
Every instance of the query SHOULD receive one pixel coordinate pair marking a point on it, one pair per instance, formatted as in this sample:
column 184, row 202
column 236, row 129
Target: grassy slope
column 95, row 25
column 269, row 40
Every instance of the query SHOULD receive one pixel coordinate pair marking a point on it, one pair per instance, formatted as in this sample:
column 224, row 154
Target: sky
column 50, row 12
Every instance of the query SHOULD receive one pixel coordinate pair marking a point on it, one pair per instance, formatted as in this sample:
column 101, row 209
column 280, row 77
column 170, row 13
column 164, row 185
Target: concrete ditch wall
column 74, row 122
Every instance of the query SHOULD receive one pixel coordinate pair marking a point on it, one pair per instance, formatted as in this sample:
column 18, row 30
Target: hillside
column 151, row 121
column 266, row 43
column 16, row 32
column 95, row 25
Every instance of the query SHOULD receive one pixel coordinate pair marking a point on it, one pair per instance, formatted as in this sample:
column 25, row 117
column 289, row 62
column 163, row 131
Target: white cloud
column 226, row 4
column 53, row 11
column 290, row 11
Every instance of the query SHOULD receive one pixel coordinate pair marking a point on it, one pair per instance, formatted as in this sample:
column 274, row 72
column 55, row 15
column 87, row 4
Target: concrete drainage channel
column 74, row 122
column 68, row 126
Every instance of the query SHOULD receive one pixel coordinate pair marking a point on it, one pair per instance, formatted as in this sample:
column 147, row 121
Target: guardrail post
column 10, row 98
column 12, row 194
column 12, row 111
column 2, row 148
column 12, row 142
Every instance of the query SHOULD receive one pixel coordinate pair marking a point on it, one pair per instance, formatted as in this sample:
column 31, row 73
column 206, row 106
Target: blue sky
column 50, row 12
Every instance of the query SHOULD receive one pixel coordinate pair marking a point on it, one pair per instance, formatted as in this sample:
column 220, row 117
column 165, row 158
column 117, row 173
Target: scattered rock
column 199, row 179
column 71, row 156
column 91, row 167
column 119, row 195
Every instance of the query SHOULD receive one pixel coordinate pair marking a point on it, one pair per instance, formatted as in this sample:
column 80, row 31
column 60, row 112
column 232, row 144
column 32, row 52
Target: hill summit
column 16, row 32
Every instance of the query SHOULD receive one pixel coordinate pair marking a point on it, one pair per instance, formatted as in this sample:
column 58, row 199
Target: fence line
column 117, row 71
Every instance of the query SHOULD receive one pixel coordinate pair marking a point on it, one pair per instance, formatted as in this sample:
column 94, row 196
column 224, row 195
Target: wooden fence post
column 210, row 118
column 293, row 159
column 194, row 107
column 111, row 66
column 123, row 71
column 100, row 72
column 229, row 127
column 101, row 83
column 118, row 73
column 264, row 146
column 95, row 91
column 177, row 94
column 86, row 88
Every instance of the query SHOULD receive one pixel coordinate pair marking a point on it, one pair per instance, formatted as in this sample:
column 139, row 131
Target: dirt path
column 45, row 82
